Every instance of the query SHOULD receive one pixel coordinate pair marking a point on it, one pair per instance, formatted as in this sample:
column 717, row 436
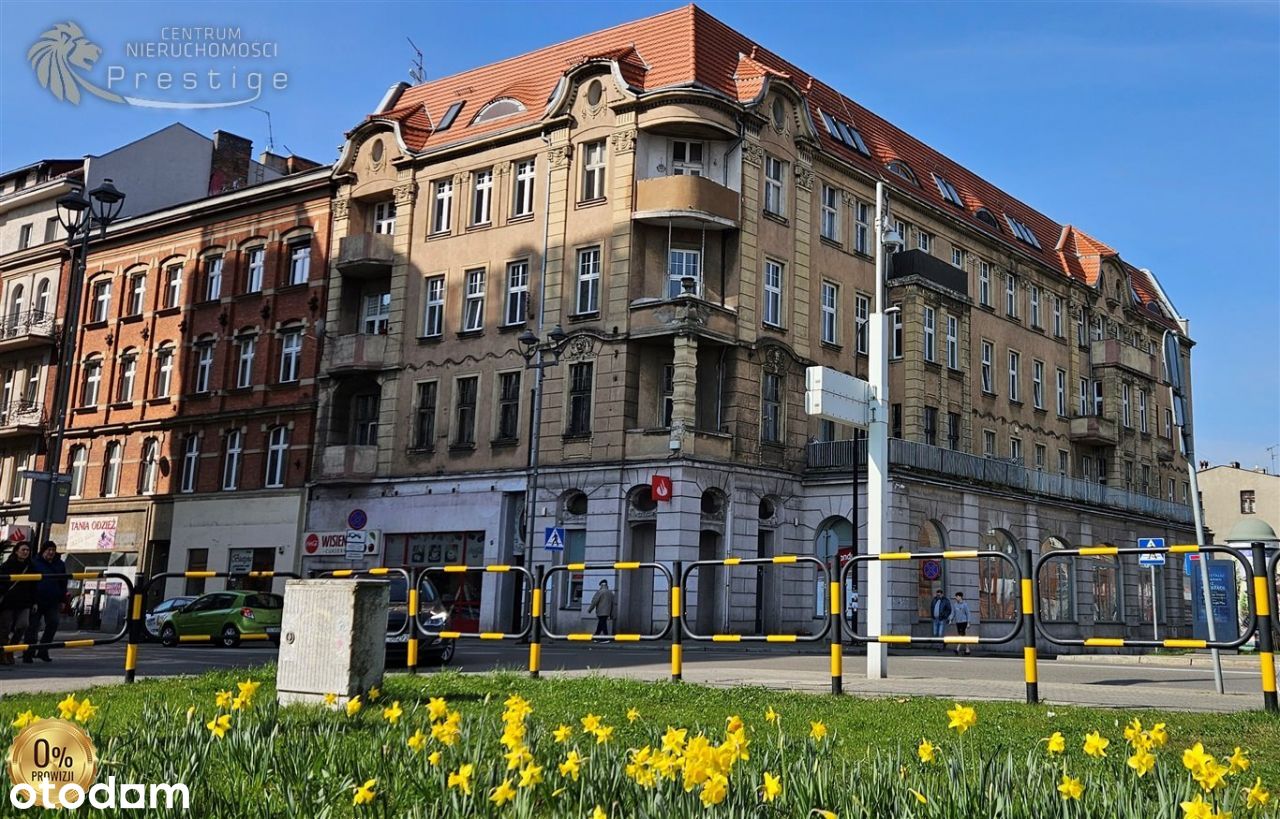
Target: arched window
column 147, row 472
column 998, row 591
column 932, row 575
column 277, row 456
column 498, row 109
column 164, row 369
column 78, row 460
column 128, row 373
column 111, row 470
column 833, row 540
column 1108, row 585
column 902, row 169
column 987, row 218
column 1057, row 584
column 16, row 302
column 203, row 374
column 42, row 298
column 92, row 381
column 190, row 463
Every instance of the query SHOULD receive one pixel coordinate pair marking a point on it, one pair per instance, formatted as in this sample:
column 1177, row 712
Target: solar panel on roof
column 450, row 116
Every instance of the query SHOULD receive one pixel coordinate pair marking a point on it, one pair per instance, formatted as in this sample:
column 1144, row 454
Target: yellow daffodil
column 445, row 733
column 603, row 734
column 919, row 796
column 714, row 790
column 674, row 739
column 562, row 733
column 364, row 793
column 1197, row 808
column 191, row 710
column 461, row 778
column 1070, row 788
column 772, row 716
column 1095, row 745
column 24, row 719
column 1194, row 758
column 824, row 814
column 530, row 775
column 962, row 718
column 571, row 766
column 393, row 713
column 1056, row 743
column 517, row 757
column 354, row 705
column 590, row 723
column 1238, row 762
column 248, row 689
column 1142, row 761
column 437, row 708
column 771, row 788
column 502, row 794
column 1211, row 775
column 1159, row 736
column 68, row 707
column 417, row 742
column 599, row 813
column 926, row 751
column 222, row 699
column 86, row 711
column 817, row 730
column 633, row 714
column 239, row 704
column 734, row 723
column 374, row 693
column 330, row 699
column 1133, row 731
column 1257, row 796
column 219, row 726
column 433, row 759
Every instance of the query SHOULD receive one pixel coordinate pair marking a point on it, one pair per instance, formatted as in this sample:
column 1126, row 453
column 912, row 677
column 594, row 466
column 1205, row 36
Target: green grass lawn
column 306, row 761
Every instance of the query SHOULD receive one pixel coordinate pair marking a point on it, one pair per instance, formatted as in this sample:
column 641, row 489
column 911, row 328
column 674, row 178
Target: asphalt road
column 1121, row 682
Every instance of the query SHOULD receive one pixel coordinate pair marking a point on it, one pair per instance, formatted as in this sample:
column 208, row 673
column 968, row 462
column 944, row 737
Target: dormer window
column 900, row 168
column 845, row 133
column 1022, row 231
column 498, row 109
column 987, row 218
column 948, row 191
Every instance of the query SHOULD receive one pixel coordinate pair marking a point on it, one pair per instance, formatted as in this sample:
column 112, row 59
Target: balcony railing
column 356, row 351
column 21, row 415
column 34, row 325
column 1093, row 429
column 911, row 455
column 365, row 254
column 686, row 201
column 1112, row 352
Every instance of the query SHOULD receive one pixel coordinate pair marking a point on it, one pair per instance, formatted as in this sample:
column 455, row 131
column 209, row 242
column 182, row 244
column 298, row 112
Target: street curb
column 1233, row 661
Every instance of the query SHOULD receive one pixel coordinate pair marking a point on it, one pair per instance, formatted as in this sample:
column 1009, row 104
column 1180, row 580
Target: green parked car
column 226, row 617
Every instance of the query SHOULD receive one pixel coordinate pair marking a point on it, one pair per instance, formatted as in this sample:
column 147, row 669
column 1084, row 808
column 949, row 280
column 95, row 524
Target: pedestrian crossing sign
column 553, row 541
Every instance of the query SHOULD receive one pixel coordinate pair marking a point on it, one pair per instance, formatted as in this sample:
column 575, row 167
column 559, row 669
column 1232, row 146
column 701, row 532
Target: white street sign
column 355, row 544
column 838, row 397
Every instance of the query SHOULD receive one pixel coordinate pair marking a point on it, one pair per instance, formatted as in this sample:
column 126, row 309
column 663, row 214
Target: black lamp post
column 78, row 217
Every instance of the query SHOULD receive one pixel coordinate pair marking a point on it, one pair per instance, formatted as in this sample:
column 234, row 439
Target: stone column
column 684, row 389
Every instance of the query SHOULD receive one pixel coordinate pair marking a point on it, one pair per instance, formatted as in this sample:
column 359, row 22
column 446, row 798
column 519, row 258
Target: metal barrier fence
column 14, row 648
column 444, row 634
column 590, row 637
column 409, row 626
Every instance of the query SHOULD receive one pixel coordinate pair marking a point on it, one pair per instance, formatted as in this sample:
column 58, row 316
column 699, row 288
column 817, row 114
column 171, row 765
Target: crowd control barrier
column 14, row 648
column 524, row 573
column 411, row 614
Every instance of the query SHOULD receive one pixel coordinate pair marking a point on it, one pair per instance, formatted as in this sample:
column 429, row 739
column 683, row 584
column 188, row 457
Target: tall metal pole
column 877, row 454
column 1203, row 559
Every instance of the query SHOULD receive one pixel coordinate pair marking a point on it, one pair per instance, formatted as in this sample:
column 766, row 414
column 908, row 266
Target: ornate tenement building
column 696, row 213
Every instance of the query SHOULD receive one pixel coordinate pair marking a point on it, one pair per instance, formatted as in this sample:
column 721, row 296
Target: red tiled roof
column 688, row 47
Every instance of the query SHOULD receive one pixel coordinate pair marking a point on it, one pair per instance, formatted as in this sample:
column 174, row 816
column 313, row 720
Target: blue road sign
column 553, row 540
column 1156, row 559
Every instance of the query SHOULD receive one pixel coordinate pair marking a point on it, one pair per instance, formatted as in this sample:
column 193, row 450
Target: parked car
column 155, row 619
column 433, row 614
column 226, row 616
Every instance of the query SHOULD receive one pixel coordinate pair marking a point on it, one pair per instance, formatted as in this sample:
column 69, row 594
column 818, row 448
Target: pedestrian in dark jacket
column 49, row 595
column 940, row 612
column 17, row 599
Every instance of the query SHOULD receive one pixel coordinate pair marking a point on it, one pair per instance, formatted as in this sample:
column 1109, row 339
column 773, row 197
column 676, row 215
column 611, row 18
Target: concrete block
column 332, row 639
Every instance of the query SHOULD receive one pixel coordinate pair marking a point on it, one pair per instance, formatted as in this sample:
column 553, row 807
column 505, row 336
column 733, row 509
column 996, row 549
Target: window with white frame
column 830, row 213
column 442, row 206
column 172, row 286
column 232, row 450
column 164, row 370
column 1037, row 384
column 424, row 433
column 508, row 406
column 246, row 345
column 137, row 293
column 895, row 336
column 682, row 263
column 1168, row 422
column 1015, row 449
column 190, row 463
column 1057, row 316
column 957, row 257
column 924, row 241
column 771, row 409
column 1035, row 306
column 1064, row 463
column 930, row 333
column 473, row 304
column 433, row 314
column 204, row 365
column 213, row 278
column 31, row 384
column 111, row 469
column 774, row 185
column 593, row 168
column 128, row 372
column 581, row 384
column 257, row 263
column 300, row 261
column 772, row 293
column 79, row 461
column 862, row 228
column 290, row 354
column 1097, row 398
column 1125, row 414
column 1061, row 392
column 830, row 308
column 482, row 197
column 1011, row 295
column 862, row 318
column 147, row 468
column 1084, row 397
column 522, row 196
column 988, row 383
column 587, row 299
column 667, row 395
column 375, row 313
column 1041, row 454
column 277, row 456
column 989, row 443
column 984, row 284
column 1142, row 411
column 100, row 304
column 686, row 157
column 384, row 217
column 1015, row 361
column 953, row 343
column 517, row 306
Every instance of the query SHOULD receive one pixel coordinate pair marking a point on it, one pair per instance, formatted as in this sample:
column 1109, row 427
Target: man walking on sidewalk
column 49, row 595
column 940, row 611
column 602, row 605
column 960, row 616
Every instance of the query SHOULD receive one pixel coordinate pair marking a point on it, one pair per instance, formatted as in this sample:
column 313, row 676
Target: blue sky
column 1153, row 126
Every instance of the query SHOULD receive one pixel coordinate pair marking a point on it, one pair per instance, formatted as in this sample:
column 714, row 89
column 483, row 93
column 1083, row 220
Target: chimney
column 298, row 164
column 1235, row 464
column 229, row 168
column 274, row 162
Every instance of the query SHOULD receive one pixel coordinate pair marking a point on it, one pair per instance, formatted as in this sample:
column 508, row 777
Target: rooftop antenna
column 271, row 138
column 416, row 71
column 1271, row 450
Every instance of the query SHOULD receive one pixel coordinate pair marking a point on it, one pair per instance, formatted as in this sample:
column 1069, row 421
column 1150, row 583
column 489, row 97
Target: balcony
column 1094, row 430
column 355, row 352
column 33, row 328
column 836, row 456
column 686, row 202
column 365, row 254
column 22, row 418
column 699, row 443
column 1112, row 352
column 348, row 462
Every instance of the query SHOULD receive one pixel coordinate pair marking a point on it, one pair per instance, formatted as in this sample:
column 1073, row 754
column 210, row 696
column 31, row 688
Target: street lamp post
column 78, row 217
column 538, row 356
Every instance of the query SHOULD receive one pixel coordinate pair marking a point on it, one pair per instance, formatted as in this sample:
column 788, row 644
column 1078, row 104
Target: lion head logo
column 58, row 55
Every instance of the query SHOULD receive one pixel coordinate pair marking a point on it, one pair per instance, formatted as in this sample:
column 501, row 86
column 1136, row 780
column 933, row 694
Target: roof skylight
column 845, row 133
column 1022, row 231
column 450, row 116
column 948, row 191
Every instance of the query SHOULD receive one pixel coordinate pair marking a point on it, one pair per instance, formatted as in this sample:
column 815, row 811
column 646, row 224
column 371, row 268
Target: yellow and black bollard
column 1029, row 629
column 535, row 622
column 837, row 647
column 677, row 626
column 134, row 627
column 1266, row 642
column 411, row 651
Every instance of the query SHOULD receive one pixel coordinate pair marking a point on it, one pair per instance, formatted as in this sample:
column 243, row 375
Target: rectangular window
column 1084, row 397
column 984, row 284
column 895, row 421
column 1128, row 476
column 290, row 355
column 575, row 551
column 197, row 561
column 433, row 315
column 1015, row 449
column 774, row 187
column 1060, row 387
column 375, row 313
column 482, row 198
column 1011, row 295
column 771, row 409
column 522, row 196
column 830, row 213
column 128, row 371
column 384, row 217
column 931, row 426
column 957, row 257
column 683, row 264
column 24, row 237
column 1035, row 306
column 164, row 371
column 581, row 380
column 424, row 430
column 257, row 263
column 773, row 293
column 830, row 306
column 517, row 308
column 442, row 206
column 924, row 241
column 593, row 168
column 1080, row 322
column 473, row 306
column 686, row 157
column 988, row 382
column 895, row 349
column 508, row 406
column 1248, row 501
column 100, row 306
column 244, row 365
column 953, row 430
column 172, row 286
column 1125, row 414
column 213, row 278
column 587, row 299
column 1168, row 422
column 1040, row 455
column 231, row 460
column 1057, row 316
column 204, row 366
column 467, row 388
column 1014, row 361
column 300, row 262
column 1142, row 412
column 667, row 394
column 190, row 463
column 862, row 228
column 1097, row 398
column 953, row 343
column 1037, row 384
column 277, row 457
column 137, row 294
column 862, row 317
column 1064, row 463
column 930, row 332
column 989, row 443
column 1086, row 468
column 51, row 228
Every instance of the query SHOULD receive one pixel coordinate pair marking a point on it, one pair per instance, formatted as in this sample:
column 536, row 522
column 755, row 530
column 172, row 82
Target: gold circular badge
column 49, row 754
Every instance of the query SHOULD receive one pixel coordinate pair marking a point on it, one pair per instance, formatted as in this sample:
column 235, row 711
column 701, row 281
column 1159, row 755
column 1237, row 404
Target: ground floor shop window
column 459, row 591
